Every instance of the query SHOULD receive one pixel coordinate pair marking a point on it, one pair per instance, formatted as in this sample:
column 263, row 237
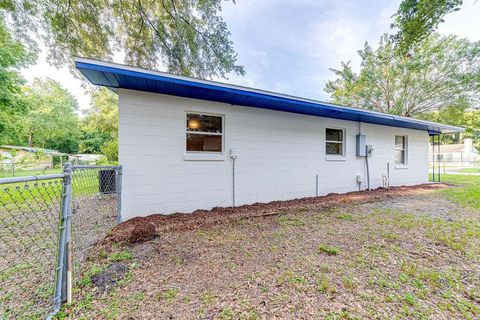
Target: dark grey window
column 335, row 141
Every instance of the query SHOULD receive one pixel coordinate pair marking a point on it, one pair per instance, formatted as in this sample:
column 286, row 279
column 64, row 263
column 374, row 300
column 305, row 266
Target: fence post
column 118, row 184
column 63, row 269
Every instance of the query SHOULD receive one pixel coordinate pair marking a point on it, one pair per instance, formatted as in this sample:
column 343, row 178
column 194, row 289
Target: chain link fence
column 9, row 169
column 47, row 225
column 29, row 225
column 96, row 207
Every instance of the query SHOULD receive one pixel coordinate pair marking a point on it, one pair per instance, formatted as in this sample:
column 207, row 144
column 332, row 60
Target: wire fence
column 47, row 226
column 20, row 169
column 29, row 224
column 96, row 207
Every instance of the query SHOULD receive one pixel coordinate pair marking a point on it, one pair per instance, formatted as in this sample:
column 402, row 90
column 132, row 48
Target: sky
column 289, row 46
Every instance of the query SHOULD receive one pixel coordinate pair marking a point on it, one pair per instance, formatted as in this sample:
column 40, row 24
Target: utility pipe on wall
column 233, row 156
column 369, row 151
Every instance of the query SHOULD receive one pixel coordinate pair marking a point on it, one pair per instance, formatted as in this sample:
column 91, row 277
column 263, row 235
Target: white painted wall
column 279, row 155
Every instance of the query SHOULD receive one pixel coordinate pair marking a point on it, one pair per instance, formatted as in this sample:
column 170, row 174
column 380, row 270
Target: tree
column 461, row 116
column 110, row 150
column 440, row 72
column 100, row 124
column 103, row 113
column 417, row 19
column 52, row 121
column 188, row 37
column 13, row 56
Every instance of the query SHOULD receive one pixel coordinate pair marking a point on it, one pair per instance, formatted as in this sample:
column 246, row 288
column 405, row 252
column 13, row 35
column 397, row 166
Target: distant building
column 461, row 152
column 27, row 158
column 85, row 158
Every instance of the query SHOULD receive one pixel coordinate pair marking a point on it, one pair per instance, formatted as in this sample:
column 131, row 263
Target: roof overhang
column 116, row 76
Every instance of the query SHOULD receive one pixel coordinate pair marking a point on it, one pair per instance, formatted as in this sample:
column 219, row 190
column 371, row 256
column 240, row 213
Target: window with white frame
column 335, row 142
column 204, row 133
column 401, row 150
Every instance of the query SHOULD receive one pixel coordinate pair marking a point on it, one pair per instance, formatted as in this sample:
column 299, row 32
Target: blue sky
column 289, row 46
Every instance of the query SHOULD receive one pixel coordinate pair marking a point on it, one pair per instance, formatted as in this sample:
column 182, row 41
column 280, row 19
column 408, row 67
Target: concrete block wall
column 279, row 156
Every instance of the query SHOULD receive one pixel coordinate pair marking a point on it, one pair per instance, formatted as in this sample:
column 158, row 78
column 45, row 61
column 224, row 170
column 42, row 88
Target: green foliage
column 189, row 37
column 417, row 19
column 13, row 56
column 110, row 150
column 92, row 141
column 460, row 116
column 440, row 72
column 100, row 125
column 51, row 121
column 102, row 116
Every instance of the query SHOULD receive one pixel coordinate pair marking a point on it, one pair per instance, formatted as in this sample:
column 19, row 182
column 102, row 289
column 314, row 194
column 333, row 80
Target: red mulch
column 145, row 228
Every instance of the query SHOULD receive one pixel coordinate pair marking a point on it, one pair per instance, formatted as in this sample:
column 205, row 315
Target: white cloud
column 465, row 22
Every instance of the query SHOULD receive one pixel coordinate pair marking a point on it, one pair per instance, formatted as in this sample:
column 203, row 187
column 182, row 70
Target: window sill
column 401, row 166
column 204, row 156
column 336, row 158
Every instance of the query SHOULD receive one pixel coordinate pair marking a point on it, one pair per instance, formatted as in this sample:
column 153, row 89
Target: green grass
column 332, row 251
column 24, row 173
column 468, row 191
column 470, row 170
column 47, row 192
column 120, row 256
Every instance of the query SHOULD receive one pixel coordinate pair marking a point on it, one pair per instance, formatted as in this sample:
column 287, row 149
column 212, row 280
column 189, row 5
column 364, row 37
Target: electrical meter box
column 361, row 145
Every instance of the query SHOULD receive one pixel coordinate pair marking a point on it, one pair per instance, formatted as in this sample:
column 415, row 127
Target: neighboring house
column 188, row 144
column 85, row 158
column 462, row 152
column 27, row 158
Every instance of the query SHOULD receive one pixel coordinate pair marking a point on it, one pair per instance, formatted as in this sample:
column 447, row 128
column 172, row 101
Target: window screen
column 204, row 133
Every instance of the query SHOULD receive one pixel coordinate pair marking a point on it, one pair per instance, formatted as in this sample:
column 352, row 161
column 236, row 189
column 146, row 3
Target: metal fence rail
column 29, row 233
column 47, row 226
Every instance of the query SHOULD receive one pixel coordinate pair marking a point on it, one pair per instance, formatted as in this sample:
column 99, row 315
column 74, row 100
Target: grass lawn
column 20, row 173
column 468, row 193
column 412, row 256
column 470, row 170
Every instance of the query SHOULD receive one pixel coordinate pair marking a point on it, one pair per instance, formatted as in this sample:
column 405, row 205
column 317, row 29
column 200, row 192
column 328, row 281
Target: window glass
column 204, row 142
column 399, row 157
column 204, row 133
column 334, row 148
column 204, row 123
column 400, row 150
column 334, row 135
column 400, row 142
column 334, row 143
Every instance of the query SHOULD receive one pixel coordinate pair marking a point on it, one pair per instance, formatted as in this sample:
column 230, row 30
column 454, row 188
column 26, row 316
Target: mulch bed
column 142, row 229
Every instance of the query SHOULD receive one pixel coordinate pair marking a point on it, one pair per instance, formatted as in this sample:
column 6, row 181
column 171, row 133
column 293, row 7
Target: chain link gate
column 47, row 225
column 96, row 207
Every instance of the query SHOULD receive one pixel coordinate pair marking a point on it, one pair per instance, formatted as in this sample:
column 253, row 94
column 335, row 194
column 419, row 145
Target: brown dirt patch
column 110, row 276
column 145, row 228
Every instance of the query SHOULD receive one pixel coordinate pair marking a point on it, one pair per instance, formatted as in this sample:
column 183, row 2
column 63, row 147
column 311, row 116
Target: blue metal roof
column 117, row 76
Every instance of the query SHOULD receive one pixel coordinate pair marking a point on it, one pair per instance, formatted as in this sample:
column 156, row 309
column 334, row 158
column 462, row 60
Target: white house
column 188, row 144
column 460, row 152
